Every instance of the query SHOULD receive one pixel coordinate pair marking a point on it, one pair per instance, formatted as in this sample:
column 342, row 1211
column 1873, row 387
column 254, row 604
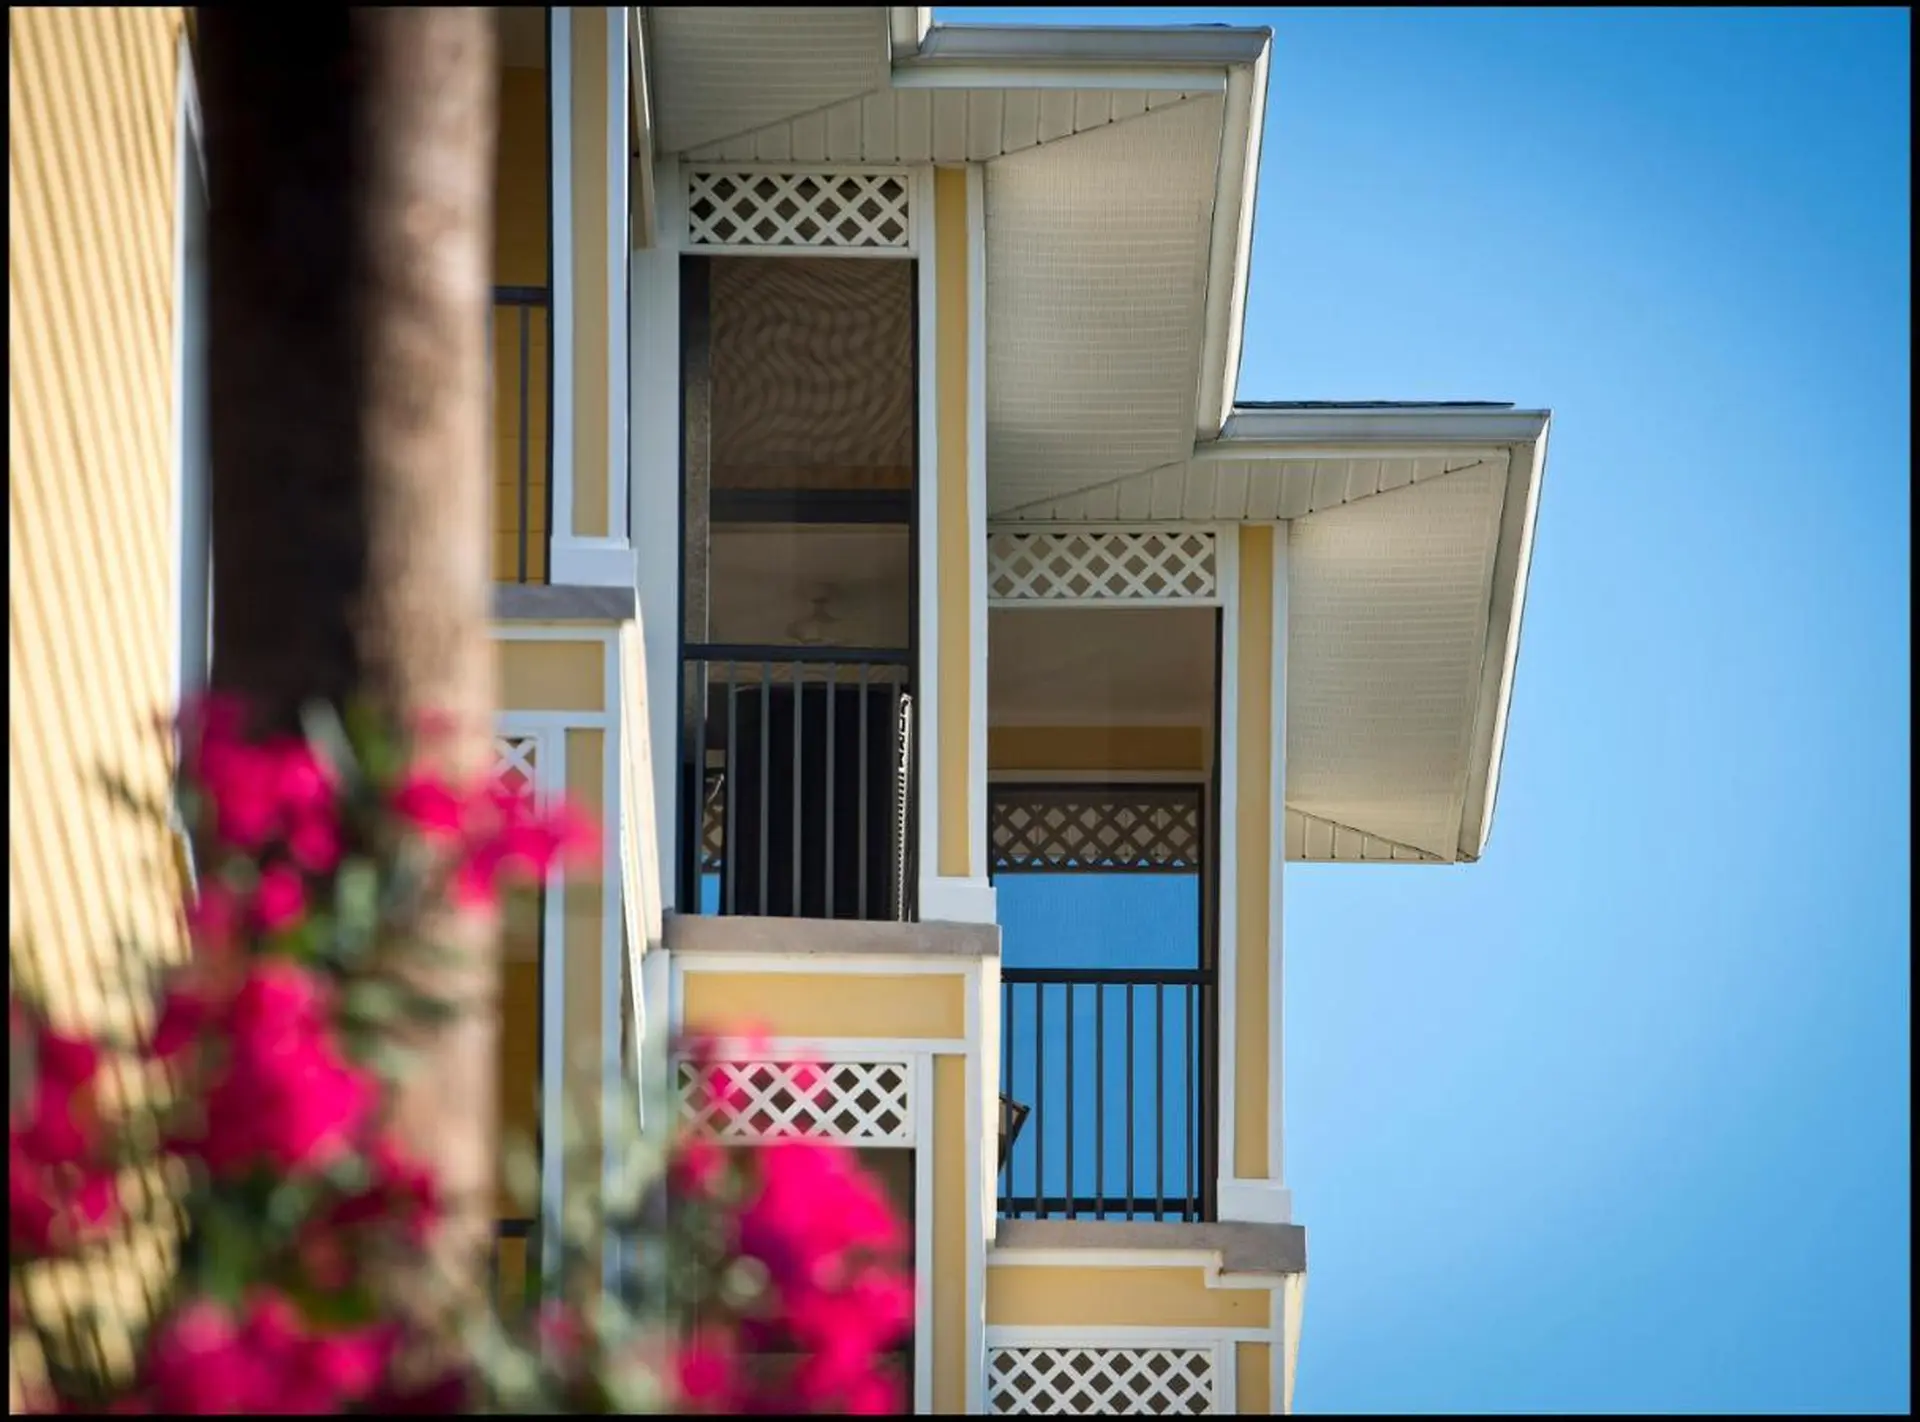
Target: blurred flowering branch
column 765, row 1280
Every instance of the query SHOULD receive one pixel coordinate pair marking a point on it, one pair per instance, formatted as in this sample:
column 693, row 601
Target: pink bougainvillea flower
column 429, row 805
column 303, row 782
column 213, row 917
column 58, row 1121
column 239, row 781
column 197, row 1362
column 285, row 1096
column 314, row 842
column 402, row 1192
column 204, row 1360
column 58, row 1190
column 706, row 1374
column 281, row 899
column 347, row 1365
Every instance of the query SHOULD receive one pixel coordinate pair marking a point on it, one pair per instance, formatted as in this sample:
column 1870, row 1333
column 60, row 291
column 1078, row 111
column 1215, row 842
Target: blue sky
column 1618, row 1119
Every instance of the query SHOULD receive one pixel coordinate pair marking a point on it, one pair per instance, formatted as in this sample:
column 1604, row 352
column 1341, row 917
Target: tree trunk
column 350, row 200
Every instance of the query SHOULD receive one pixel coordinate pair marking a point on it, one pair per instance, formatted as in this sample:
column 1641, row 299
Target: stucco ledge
column 1241, row 1247
column 815, row 937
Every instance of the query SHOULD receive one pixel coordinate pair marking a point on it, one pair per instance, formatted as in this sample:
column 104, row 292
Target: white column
column 654, row 441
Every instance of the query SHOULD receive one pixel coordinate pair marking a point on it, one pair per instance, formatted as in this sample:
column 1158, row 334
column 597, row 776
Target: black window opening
column 799, row 577
column 1108, row 1003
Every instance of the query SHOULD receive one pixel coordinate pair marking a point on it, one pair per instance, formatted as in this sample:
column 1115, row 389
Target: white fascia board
column 1045, row 57
column 1231, row 250
column 1179, row 46
column 1512, row 564
column 640, row 86
column 1251, row 432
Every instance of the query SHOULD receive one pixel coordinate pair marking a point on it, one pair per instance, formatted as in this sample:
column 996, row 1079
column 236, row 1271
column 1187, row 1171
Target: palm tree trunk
column 350, row 189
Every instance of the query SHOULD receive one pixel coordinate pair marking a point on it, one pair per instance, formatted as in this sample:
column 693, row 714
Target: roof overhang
column 1410, row 535
column 1128, row 151
column 1405, row 602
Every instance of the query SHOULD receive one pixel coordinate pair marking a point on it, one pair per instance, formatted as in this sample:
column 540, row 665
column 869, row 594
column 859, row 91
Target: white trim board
column 560, row 281
column 927, row 673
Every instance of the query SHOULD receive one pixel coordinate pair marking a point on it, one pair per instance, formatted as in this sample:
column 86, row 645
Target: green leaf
column 329, row 736
column 356, row 907
column 374, row 1002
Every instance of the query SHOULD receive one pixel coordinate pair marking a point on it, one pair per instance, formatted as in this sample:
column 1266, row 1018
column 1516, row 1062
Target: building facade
column 883, row 551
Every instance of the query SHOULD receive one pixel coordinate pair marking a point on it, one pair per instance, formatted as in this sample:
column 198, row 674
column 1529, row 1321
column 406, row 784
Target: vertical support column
column 589, row 108
column 1276, row 869
column 1253, row 792
column 654, row 442
column 953, row 882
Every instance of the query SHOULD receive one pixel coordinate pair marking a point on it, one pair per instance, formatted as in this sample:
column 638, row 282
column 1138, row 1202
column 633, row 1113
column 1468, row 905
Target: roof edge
column 1150, row 46
column 1250, row 427
column 1513, row 563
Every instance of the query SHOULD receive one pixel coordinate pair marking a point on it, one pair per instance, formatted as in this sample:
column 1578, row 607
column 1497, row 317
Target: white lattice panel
column 1143, row 565
column 821, row 209
column 1081, row 1380
column 867, row 1102
column 515, row 762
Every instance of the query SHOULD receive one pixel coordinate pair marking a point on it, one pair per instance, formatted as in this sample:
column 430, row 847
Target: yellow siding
column 1253, row 1367
column 956, row 846
column 591, row 301
column 828, row 1004
column 520, row 259
column 1145, row 1296
column 1254, row 842
column 585, row 928
column 950, row 1227
column 91, row 183
column 553, row 676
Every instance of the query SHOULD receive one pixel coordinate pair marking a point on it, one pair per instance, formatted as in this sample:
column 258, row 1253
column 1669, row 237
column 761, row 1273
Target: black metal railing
column 1112, row 1066
column 516, row 311
column 798, row 784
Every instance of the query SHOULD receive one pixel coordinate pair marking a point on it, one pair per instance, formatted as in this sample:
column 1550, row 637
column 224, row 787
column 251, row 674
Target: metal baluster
column 1186, row 1059
column 833, row 695
column 1039, row 1101
column 1159, row 1103
column 862, row 912
column 729, row 856
column 766, row 769
column 1006, row 1085
column 1072, row 1141
column 1130, row 1069
column 1099, row 1101
column 799, row 696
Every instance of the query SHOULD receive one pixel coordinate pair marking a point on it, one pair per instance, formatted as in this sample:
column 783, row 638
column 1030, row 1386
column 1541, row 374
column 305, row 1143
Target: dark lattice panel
column 1095, row 828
